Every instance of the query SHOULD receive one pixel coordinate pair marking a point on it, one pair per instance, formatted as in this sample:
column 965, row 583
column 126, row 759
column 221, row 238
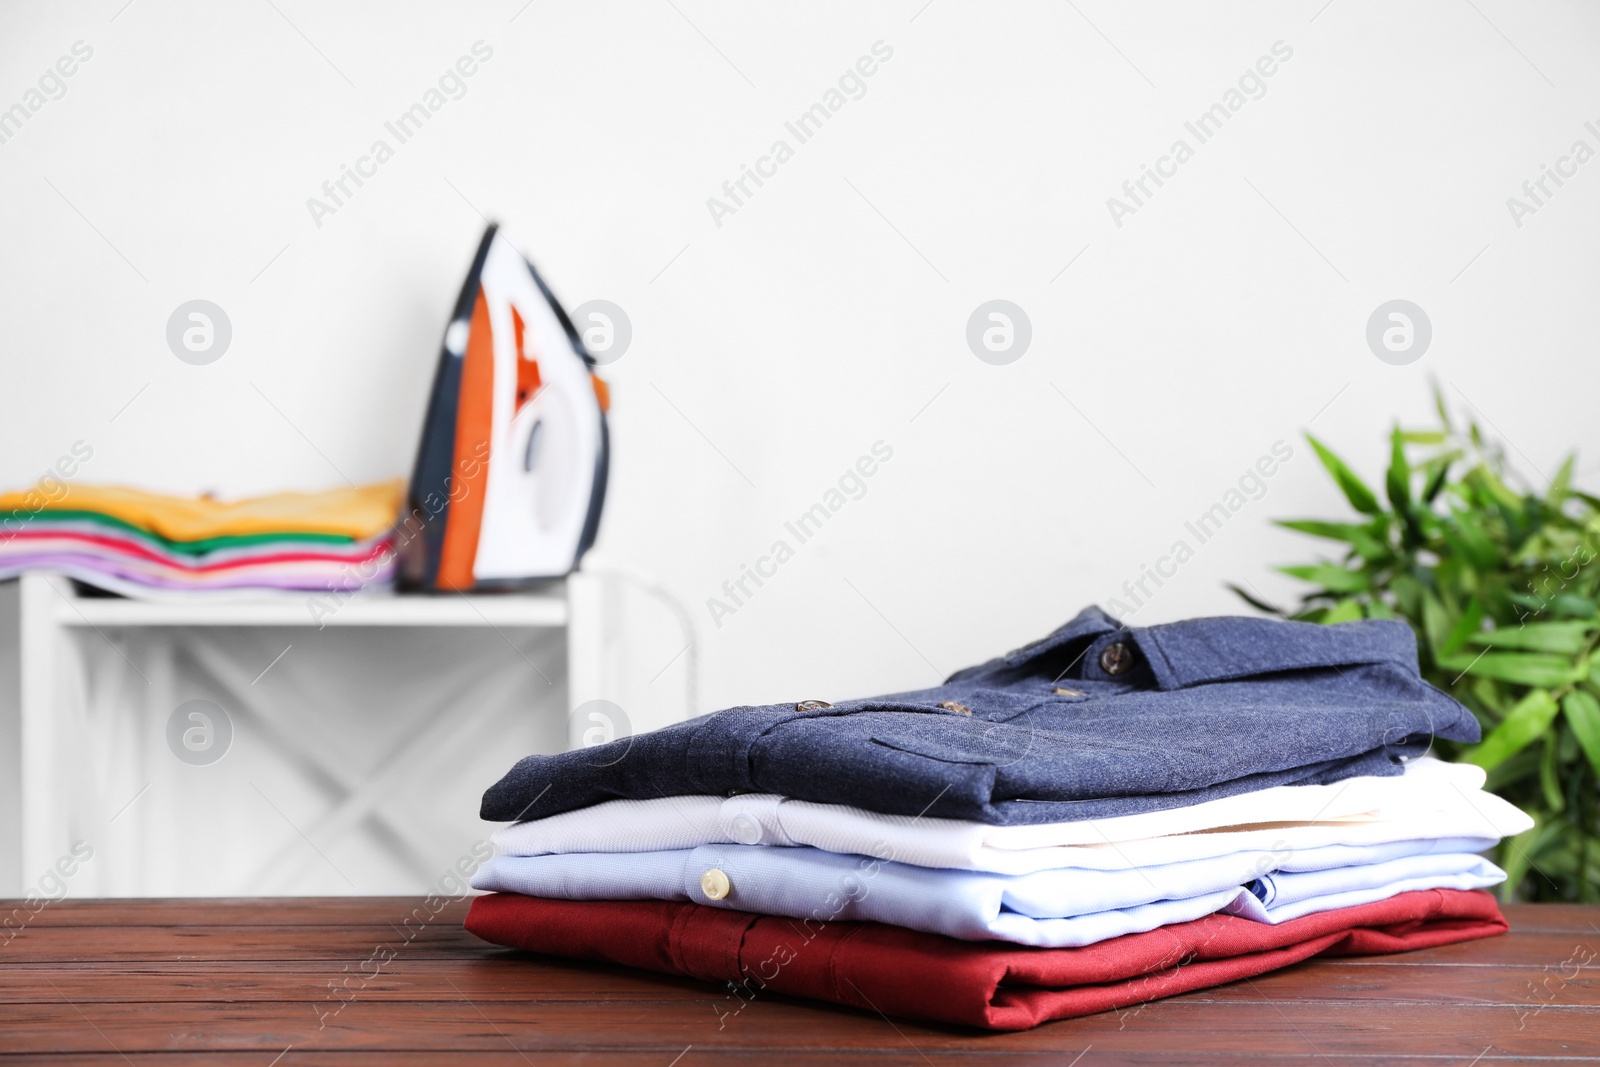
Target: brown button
column 951, row 705
column 1116, row 658
column 812, row 705
column 1068, row 692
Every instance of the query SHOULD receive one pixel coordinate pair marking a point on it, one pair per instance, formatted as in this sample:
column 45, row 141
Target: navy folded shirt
column 1094, row 720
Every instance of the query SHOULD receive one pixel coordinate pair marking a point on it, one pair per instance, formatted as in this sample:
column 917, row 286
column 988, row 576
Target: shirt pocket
column 996, row 705
column 969, row 741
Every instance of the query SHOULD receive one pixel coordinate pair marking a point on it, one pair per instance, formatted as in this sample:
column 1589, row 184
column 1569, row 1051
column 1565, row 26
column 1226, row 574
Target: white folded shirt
column 1064, row 907
column 1432, row 799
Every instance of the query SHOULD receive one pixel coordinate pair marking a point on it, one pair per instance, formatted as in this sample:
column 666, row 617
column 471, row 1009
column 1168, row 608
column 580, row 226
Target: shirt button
column 1060, row 692
column 714, row 884
column 812, row 705
column 1116, row 658
column 745, row 829
column 951, row 705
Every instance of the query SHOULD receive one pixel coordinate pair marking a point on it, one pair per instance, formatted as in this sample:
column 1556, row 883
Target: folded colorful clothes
column 151, row 546
column 1064, row 908
column 104, row 529
column 350, row 566
column 355, row 513
column 1095, row 720
column 1432, row 799
column 78, row 535
column 986, row 984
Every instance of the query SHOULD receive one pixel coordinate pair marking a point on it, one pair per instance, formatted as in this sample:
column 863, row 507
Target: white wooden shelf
column 57, row 622
column 545, row 609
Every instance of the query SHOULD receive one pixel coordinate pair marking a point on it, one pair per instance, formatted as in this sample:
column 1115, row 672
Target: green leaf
column 1561, row 484
column 1549, row 777
column 1491, row 693
column 1469, row 623
column 1466, row 535
column 1495, row 490
column 1582, row 712
column 1331, row 577
column 1259, row 605
column 1407, row 595
column 1439, row 406
column 1569, row 604
column 1522, row 854
column 1522, row 668
column 1346, row 610
column 1355, row 490
column 1359, row 536
column 1423, row 437
column 1527, row 721
column 1515, row 775
column 1573, row 605
column 1436, row 623
column 1333, row 531
column 1435, row 483
column 1561, row 637
column 1397, row 480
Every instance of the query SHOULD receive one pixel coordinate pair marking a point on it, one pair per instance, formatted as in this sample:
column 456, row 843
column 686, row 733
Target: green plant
column 1502, row 589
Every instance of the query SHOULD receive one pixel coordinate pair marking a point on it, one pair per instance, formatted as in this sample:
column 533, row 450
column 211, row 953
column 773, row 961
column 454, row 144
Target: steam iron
column 511, row 472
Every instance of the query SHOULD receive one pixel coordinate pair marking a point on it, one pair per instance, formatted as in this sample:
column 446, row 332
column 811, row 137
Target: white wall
column 829, row 311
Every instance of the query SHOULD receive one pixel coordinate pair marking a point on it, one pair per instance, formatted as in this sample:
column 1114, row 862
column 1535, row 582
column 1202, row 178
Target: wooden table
column 282, row 982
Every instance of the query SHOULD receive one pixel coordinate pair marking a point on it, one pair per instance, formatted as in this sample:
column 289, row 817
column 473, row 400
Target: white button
column 714, row 884
column 744, row 829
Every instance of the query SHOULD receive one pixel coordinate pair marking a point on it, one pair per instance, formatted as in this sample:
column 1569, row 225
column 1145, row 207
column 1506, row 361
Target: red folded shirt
column 991, row 984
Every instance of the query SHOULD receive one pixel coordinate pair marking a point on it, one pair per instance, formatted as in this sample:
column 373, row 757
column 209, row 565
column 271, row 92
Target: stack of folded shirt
column 147, row 545
column 1105, row 816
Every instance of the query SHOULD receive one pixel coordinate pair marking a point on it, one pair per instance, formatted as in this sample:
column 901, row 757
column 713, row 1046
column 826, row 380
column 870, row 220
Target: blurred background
column 1155, row 343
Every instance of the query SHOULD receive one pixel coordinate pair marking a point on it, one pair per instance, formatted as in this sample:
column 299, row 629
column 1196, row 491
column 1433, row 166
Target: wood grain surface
column 287, row 983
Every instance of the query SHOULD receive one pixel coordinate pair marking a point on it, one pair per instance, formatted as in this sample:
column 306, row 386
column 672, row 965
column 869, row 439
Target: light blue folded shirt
column 1058, row 908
